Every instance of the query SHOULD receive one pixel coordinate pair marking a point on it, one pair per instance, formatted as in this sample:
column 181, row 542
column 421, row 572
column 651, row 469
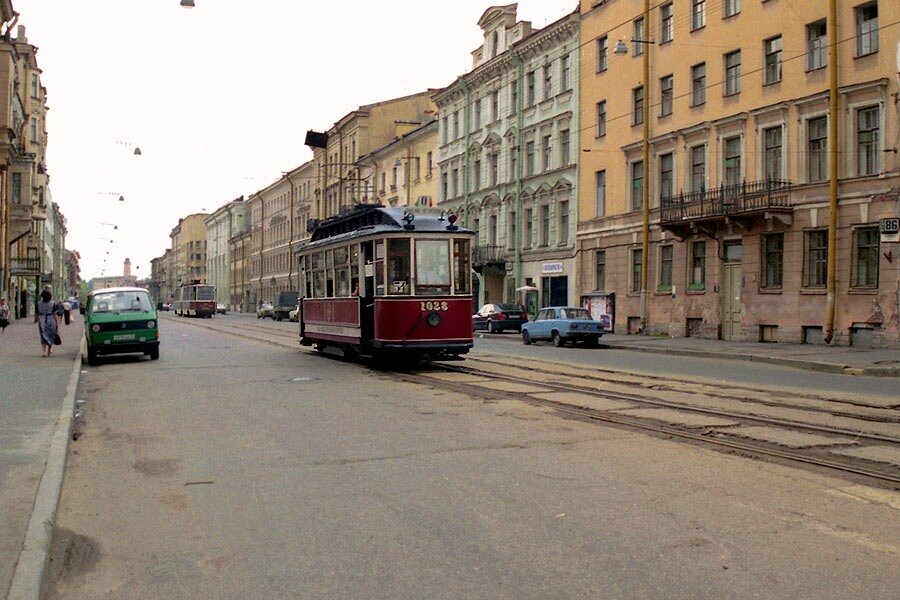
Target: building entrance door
column 731, row 292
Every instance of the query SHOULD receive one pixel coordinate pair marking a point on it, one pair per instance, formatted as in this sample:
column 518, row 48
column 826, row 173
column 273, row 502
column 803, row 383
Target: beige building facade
column 340, row 180
column 737, row 173
column 189, row 250
column 27, row 260
column 402, row 172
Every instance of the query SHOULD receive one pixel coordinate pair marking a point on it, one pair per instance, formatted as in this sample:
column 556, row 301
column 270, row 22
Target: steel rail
column 708, row 411
column 642, row 424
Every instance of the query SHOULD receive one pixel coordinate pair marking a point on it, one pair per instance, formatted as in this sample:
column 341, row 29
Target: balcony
column 733, row 202
column 488, row 256
column 24, row 267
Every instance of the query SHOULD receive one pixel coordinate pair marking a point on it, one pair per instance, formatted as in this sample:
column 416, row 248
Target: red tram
column 195, row 300
column 382, row 281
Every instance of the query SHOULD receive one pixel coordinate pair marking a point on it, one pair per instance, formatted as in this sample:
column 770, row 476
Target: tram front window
column 398, row 266
column 432, row 267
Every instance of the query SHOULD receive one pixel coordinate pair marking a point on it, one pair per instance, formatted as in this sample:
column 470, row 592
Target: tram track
column 713, row 436
column 870, row 424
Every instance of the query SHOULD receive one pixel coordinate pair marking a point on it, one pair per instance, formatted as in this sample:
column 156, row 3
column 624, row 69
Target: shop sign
column 551, row 268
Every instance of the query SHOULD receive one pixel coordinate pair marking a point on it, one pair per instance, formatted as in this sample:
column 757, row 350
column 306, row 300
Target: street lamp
column 621, row 48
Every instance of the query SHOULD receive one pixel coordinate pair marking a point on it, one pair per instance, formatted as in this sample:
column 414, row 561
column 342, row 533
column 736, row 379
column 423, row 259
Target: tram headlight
column 434, row 319
column 95, row 328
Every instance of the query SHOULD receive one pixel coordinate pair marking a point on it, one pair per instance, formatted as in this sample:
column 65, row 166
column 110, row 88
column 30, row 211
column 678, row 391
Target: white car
column 294, row 315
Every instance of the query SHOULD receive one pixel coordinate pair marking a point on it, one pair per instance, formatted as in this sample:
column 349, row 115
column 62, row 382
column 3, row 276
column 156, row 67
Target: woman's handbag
column 57, row 340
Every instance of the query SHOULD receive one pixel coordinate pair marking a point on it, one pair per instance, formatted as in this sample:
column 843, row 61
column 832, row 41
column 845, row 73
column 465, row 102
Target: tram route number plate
column 123, row 337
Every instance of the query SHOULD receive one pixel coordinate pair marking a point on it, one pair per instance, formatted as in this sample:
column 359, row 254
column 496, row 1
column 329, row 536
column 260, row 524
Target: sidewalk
column 36, row 401
column 827, row 359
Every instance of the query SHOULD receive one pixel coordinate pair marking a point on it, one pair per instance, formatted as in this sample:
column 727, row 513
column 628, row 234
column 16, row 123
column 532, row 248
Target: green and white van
column 120, row 320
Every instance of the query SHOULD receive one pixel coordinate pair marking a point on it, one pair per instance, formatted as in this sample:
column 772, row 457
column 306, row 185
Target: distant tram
column 195, row 300
column 387, row 282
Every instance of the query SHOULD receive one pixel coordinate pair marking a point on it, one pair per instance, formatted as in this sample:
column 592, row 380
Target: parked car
column 265, row 309
column 495, row 318
column 120, row 320
column 221, row 309
column 562, row 324
column 294, row 315
column 284, row 303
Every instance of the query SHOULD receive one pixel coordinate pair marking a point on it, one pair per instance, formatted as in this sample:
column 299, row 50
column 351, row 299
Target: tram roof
column 374, row 219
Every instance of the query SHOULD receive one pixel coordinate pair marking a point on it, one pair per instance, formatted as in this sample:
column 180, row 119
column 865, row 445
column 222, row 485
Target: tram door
column 367, row 298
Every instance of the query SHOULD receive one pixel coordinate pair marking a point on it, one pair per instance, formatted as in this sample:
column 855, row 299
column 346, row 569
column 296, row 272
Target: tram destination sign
column 890, row 229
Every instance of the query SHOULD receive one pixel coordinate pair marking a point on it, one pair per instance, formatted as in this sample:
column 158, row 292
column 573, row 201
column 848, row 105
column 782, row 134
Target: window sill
column 863, row 291
column 813, row 291
column 872, row 53
column 770, row 291
column 698, row 105
column 696, row 290
column 814, row 69
column 771, row 83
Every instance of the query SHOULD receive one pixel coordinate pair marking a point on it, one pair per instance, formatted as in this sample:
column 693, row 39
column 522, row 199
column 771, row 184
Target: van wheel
column 154, row 353
column 557, row 341
column 92, row 356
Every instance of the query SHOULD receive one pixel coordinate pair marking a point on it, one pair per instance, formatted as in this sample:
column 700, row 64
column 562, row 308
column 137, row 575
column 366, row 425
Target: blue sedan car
column 561, row 324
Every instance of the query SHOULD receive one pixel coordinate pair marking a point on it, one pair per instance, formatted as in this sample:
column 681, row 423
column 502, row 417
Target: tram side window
column 432, row 267
column 463, row 266
column 329, row 274
column 318, row 265
column 398, row 265
column 379, row 268
column 354, row 270
column 342, row 272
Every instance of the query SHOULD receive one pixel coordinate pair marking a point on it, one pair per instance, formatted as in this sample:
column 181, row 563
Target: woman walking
column 4, row 315
column 45, row 315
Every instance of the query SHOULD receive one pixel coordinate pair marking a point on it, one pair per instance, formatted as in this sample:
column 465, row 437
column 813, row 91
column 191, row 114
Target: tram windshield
column 432, row 267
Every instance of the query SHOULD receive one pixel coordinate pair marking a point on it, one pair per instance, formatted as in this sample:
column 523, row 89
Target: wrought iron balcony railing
column 24, row 266
column 485, row 255
column 742, row 198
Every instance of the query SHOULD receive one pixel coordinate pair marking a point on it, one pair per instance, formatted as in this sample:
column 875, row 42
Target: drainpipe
column 645, row 209
column 520, row 120
column 832, row 170
column 467, row 127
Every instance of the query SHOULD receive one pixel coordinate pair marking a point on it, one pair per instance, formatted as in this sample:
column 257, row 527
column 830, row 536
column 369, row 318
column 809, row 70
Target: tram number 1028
column 434, row 306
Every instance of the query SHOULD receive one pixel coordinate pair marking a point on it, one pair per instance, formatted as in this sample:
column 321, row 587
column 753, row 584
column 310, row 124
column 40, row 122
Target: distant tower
column 127, row 267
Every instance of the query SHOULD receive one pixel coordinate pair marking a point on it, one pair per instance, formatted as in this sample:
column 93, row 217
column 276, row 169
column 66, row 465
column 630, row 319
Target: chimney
column 20, row 34
column 127, row 267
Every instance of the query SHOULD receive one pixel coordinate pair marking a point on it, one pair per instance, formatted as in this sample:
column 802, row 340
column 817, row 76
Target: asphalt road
column 232, row 468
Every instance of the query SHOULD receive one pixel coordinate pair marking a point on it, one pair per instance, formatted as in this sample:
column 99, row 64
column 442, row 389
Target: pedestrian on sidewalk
column 67, row 311
column 46, row 315
column 4, row 315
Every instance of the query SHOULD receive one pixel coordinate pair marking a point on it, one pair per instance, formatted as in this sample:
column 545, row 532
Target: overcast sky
column 218, row 98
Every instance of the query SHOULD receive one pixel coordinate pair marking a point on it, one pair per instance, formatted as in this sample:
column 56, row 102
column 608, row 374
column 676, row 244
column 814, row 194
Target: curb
column 29, row 571
column 840, row 369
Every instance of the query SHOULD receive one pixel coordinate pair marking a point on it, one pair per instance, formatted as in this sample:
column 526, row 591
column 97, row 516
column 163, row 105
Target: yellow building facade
column 735, row 117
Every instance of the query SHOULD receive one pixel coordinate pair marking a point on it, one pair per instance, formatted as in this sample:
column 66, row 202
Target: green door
column 731, row 293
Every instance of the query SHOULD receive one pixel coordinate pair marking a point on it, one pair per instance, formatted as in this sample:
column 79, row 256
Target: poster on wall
column 602, row 308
